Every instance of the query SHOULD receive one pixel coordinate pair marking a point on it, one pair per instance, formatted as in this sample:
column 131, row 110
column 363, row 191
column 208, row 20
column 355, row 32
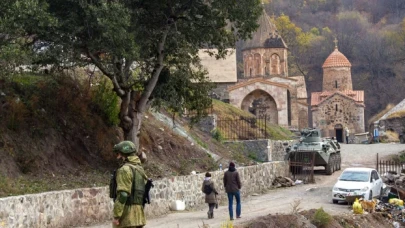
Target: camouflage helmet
column 125, row 147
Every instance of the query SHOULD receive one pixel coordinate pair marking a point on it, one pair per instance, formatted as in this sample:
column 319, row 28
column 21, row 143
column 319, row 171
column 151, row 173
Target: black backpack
column 207, row 189
column 113, row 187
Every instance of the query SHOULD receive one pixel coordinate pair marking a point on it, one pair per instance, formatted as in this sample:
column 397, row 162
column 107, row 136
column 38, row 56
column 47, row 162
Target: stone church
column 338, row 106
column 266, row 88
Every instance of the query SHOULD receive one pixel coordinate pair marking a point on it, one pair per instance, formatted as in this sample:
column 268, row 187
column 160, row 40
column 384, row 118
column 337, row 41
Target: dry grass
column 380, row 114
column 227, row 111
column 295, row 206
column 390, row 136
column 234, row 129
column 398, row 114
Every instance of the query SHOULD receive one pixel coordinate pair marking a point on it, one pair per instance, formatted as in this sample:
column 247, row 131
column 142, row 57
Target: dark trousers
column 230, row 203
column 347, row 139
column 211, row 207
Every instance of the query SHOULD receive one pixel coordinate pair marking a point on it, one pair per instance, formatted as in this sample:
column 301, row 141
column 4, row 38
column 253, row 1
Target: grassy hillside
column 62, row 129
column 234, row 115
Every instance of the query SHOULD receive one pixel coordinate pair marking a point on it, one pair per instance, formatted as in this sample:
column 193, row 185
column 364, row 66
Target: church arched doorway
column 339, row 132
column 261, row 104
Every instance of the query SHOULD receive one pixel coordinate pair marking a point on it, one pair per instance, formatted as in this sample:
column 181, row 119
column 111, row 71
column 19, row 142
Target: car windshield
column 360, row 176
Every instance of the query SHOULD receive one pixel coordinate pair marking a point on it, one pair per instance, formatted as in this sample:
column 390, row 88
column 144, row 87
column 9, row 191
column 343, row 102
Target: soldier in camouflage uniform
column 130, row 179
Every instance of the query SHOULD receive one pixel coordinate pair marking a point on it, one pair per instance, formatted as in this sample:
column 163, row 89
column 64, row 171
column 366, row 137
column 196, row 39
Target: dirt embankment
column 313, row 219
column 49, row 131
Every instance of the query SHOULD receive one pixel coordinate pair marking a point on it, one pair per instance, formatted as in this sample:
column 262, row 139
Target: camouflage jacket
column 130, row 214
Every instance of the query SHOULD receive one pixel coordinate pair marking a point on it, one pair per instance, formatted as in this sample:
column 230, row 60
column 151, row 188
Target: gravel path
column 310, row 196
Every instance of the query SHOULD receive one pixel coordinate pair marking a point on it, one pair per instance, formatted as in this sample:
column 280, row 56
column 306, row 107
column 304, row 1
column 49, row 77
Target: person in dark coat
column 210, row 198
column 232, row 186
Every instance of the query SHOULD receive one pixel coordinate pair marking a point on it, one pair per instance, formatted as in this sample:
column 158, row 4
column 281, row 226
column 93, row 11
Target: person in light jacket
column 211, row 198
column 232, row 186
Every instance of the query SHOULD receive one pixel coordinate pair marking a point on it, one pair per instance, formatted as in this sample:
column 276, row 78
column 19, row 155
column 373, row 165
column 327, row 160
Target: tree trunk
column 131, row 117
column 131, row 121
column 134, row 103
column 133, row 133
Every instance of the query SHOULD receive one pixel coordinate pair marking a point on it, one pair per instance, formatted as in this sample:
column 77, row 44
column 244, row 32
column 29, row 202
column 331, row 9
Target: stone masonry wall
column 277, row 149
column 56, row 209
column 263, row 150
column 394, row 124
column 338, row 110
column 81, row 206
column 337, row 75
column 258, row 61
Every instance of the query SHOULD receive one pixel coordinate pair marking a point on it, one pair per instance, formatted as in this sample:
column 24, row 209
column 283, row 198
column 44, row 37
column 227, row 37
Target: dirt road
column 310, row 196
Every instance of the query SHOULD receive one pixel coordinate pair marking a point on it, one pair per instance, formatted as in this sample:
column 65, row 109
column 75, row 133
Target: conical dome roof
column 336, row 59
column 265, row 36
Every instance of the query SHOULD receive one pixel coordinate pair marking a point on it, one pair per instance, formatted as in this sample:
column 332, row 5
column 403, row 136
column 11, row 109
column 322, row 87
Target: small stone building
column 393, row 120
column 338, row 106
column 265, row 89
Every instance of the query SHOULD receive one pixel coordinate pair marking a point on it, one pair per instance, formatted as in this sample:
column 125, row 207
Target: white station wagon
column 357, row 181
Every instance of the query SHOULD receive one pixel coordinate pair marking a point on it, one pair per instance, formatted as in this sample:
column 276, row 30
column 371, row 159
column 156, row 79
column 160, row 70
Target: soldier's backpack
column 207, row 189
column 113, row 185
column 149, row 184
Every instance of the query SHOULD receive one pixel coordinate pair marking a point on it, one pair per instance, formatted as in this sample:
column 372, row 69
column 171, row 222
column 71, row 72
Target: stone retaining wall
column 82, row 206
column 262, row 150
column 278, row 147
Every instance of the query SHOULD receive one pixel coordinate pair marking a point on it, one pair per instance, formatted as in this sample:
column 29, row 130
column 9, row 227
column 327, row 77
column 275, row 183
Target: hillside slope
column 50, row 142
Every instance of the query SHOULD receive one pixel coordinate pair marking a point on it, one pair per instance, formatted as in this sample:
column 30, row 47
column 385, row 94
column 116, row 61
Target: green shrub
column 216, row 134
column 106, row 102
column 16, row 114
column 253, row 156
column 321, row 218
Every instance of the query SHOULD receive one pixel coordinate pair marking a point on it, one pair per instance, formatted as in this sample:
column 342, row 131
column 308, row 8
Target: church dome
column 336, row 59
column 266, row 36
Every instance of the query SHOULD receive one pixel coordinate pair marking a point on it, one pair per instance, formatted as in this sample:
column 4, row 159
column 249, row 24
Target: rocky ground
column 276, row 206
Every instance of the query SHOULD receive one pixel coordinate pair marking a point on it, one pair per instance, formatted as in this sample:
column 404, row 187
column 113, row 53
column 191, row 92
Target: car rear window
column 360, row 176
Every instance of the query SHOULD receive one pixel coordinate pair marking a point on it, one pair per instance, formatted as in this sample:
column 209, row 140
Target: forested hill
column 370, row 33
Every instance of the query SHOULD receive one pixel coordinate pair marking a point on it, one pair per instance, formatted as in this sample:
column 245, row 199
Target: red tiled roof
column 319, row 97
column 336, row 59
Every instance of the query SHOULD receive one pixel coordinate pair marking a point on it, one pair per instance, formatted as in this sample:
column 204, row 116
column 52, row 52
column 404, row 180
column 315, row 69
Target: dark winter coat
column 210, row 198
column 232, row 180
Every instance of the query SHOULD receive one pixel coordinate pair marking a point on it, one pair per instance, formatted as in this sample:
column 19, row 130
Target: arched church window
column 275, row 64
column 335, row 84
column 250, row 72
column 336, row 107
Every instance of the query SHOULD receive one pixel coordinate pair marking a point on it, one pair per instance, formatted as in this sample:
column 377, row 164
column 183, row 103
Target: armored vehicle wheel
column 329, row 166
column 339, row 161
column 335, row 162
